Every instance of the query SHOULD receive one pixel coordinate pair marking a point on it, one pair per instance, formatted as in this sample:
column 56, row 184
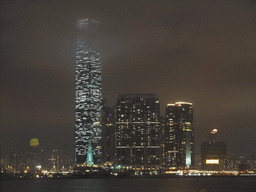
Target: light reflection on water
column 133, row 185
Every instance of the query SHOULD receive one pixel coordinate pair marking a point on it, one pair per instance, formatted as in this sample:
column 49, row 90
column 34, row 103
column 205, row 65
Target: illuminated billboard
column 212, row 161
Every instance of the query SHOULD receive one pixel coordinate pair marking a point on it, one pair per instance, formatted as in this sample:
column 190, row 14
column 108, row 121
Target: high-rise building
column 213, row 153
column 109, row 134
column 178, row 149
column 88, row 101
column 137, row 134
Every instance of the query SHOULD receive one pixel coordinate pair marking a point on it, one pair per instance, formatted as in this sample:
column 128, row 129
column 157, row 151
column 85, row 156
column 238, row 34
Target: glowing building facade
column 179, row 135
column 137, row 135
column 213, row 153
column 88, row 96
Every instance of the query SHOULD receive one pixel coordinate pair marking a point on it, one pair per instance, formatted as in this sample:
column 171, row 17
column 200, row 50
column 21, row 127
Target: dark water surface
column 113, row 185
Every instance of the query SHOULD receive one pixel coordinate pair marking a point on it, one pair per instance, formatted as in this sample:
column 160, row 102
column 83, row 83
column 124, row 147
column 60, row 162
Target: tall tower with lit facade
column 138, row 130
column 88, row 94
column 179, row 135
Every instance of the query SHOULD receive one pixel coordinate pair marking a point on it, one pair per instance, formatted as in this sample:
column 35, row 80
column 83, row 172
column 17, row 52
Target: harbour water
column 183, row 184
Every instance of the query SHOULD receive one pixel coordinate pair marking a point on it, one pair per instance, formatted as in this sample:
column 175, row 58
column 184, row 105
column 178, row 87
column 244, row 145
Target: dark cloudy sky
column 202, row 52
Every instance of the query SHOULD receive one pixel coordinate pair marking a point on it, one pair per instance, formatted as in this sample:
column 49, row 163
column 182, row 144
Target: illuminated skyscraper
column 88, row 102
column 179, row 135
column 138, row 128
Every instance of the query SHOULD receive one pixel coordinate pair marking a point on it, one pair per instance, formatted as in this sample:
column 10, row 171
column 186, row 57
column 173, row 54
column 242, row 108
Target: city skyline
column 201, row 52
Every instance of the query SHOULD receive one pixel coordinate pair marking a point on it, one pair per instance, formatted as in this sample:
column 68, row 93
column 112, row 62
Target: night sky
column 203, row 52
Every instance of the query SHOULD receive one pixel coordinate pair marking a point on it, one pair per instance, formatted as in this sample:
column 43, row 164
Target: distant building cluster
column 37, row 160
column 132, row 135
column 141, row 138
column 135, row 136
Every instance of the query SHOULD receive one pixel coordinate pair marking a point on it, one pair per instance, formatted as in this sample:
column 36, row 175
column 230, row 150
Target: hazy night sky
column 202, row 52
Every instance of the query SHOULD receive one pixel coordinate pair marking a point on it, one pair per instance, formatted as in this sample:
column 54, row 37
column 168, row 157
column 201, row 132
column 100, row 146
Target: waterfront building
column 88, row 94
column 178, row 139
column 137, row 131
column 213, row 153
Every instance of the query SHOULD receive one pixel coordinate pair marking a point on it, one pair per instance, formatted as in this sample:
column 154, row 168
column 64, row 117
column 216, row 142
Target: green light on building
column 89, row 159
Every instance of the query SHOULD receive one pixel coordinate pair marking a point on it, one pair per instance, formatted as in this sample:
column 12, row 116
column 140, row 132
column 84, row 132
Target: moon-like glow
column 34, row 142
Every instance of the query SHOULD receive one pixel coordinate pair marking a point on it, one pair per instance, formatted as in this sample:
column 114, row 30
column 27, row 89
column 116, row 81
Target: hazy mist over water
column 135, row 185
